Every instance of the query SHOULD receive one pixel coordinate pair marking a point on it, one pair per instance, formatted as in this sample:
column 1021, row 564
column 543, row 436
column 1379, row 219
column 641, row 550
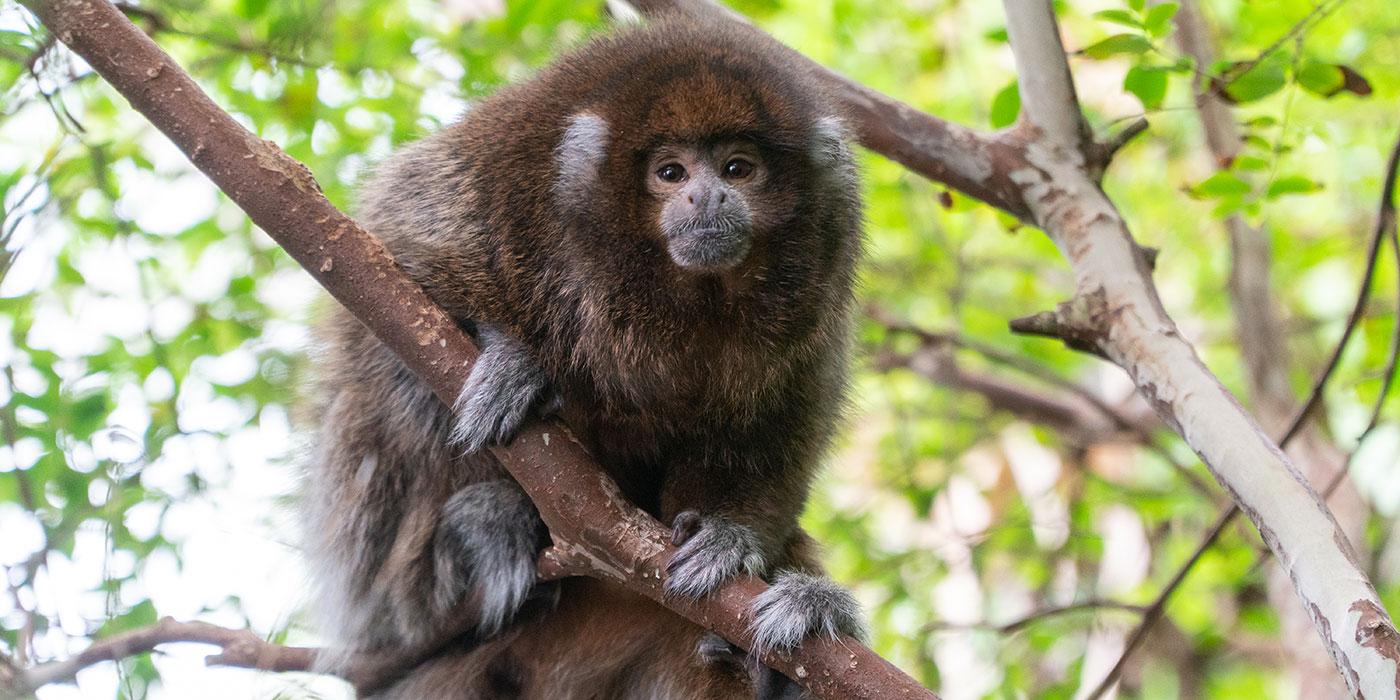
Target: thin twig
column 1041, row 614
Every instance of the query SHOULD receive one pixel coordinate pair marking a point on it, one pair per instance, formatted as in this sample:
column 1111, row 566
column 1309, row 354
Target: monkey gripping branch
column 594, row 530
column 1045, row 171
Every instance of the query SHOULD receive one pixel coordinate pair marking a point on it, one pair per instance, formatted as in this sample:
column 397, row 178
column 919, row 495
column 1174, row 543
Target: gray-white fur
column 482, row 548
column 580, row 153
column 711, row 550
column 830, row 144
column 497, row 398
column 713, row 231
column 798, row 605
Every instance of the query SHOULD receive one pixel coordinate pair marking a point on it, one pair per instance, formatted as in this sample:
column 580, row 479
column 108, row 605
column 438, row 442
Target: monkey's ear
column 829, row 142
column 580, row 154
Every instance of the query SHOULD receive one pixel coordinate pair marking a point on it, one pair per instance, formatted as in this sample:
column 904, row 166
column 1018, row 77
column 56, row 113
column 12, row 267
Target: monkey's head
column 710, row 146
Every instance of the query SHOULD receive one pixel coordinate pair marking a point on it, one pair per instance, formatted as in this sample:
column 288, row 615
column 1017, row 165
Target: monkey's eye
column 738, row 169
column 671, row 172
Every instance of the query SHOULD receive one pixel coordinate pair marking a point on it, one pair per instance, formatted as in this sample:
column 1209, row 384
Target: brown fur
column 715, row 393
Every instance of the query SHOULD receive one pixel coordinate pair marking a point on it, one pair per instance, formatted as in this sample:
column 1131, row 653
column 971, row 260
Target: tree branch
column 1116, row 298
column 1074, row 411
column 581, row 506
column 1035, row 616
column 240, row 648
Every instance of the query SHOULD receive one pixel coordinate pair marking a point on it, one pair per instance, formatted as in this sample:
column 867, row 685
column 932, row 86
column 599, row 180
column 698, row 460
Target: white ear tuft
column 829, row 138
column 579, row 155
column 623, row 12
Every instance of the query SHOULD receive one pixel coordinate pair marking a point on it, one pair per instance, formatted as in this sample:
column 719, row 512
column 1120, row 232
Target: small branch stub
column 1077, row 323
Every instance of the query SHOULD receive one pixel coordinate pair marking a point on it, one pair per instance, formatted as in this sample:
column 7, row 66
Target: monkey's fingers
column 716, row 551
column 497, row 399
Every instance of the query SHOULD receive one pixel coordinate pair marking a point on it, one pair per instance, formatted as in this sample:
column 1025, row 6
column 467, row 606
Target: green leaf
column 1159, row 19
column 1328, row 79
column 1221, row 184
column 252, row 8
column 1006, row 106
column 1122, row 17
column 1148, row 83
column 1321, row 78
column 1261, row 81
column 1292, row 184
column 1137, row 5
column 1117, row 44
column 1250, row 163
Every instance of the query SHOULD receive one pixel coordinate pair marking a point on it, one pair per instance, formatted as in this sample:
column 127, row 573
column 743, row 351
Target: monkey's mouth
column 709, row 248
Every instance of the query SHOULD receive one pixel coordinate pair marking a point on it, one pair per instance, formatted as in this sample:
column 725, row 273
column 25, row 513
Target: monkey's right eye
column 671, row 172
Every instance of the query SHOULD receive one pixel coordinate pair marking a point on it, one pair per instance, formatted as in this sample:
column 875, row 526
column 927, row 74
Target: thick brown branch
column 575, row 498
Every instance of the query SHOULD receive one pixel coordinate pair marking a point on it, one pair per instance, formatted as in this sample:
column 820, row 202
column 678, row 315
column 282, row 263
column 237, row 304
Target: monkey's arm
column 505, row 388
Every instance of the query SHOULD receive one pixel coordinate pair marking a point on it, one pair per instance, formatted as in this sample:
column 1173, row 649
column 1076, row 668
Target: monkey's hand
column 711, row 550
column 487, row 543
column 505, row 386
column 797, row 605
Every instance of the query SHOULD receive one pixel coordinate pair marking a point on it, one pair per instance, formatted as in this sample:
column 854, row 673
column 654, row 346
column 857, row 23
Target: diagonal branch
column 1385, row 222
column 582, row 507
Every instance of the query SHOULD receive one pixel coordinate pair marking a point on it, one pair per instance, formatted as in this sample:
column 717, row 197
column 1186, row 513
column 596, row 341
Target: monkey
column 653, row 239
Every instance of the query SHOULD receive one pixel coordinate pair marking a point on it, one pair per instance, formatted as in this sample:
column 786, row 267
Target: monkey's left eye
column 738, row 169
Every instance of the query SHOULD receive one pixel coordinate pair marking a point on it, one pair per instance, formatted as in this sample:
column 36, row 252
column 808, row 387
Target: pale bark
column 1264, row 350
column 1117, row 311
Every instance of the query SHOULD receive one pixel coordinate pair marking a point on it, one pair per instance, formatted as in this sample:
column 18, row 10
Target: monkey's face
column 705, row 193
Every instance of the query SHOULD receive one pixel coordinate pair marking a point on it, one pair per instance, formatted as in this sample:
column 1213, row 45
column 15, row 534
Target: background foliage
column 152, row 341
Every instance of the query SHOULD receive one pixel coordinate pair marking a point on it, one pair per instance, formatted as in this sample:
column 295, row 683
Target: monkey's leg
column 487, row 542
column 505, row 386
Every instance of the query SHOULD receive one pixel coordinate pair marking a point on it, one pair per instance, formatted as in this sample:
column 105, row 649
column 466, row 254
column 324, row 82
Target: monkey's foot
column 505, row 386
column 488, row 540
column 711, row 550
column 798, row 605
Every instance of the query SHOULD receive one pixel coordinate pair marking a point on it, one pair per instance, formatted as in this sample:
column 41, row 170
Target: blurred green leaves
column 137, row 301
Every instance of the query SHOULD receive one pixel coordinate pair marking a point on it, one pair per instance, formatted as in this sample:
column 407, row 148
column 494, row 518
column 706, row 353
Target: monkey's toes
column 711, row 550
column 798, row 605
column 715, row 650
column 768, row 684
column 686, row 524
column 488, row 543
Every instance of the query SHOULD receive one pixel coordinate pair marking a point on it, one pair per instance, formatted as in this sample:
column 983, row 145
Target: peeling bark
column 1137, row 334
column 1264, row 350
